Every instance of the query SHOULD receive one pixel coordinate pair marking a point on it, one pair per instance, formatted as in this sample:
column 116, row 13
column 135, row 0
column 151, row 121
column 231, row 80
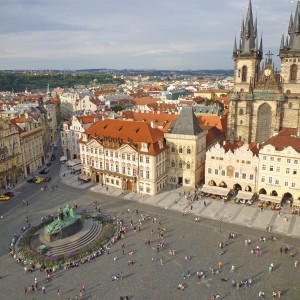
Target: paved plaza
column 156, row 274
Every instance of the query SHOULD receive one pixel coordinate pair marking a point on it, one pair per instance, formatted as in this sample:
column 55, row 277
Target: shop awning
column 270, row 198
column 77, row 167
column 215, row 190
column 84, row 177
column 244, row 195
column 63, row 158
column 72, row 163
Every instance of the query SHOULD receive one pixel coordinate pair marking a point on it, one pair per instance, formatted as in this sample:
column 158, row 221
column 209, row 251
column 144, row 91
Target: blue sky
column 139, row 34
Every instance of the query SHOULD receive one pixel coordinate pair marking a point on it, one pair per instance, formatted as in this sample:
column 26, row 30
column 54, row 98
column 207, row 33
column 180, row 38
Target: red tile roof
column 287, row 137
column 144, row 101
column 129, row 132
column 253, row 147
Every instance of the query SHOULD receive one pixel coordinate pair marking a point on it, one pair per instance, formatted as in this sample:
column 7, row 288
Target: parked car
column 9, row 194
column 31, row 180
column 47, row 179
column 4, row 198
column 44, row 171
column 39, row 180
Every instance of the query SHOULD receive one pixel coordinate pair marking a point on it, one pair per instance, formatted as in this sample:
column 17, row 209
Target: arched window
column 244, row 74
column 188, row 150
column 239, row 73
column 294, row 70
column 172, row 148
column 188, row 165
column 180, row 149
column 180, row 164
column 241, row 111
column 172, row 164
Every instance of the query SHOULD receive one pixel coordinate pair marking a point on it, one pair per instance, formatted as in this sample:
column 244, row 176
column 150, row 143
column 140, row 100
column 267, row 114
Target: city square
column 156, row 273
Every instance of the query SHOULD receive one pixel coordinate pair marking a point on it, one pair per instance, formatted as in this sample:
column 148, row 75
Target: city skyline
column 133, row 34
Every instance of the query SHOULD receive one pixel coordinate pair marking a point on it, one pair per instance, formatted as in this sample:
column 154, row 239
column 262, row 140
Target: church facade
column 264, row 101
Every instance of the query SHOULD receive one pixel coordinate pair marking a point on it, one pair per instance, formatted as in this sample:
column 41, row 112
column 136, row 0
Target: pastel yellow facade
column 279, row 173
column 232, row 169
column 11, row 163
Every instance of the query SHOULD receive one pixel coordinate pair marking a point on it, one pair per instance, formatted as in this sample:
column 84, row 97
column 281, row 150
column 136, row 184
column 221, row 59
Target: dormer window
column 144, row 147
column 160, row 144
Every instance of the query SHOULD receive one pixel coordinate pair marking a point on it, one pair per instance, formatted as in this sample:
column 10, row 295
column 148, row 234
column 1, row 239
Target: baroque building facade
column 127, row 155
column 264, row 101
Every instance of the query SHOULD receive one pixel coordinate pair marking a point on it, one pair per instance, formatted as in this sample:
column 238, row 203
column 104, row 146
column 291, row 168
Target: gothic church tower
column 247, row 55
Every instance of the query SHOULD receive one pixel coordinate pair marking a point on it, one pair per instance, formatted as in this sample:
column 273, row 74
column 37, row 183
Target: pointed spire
column 261, row 50
column 255, row 27
column 235, row 47
column 296, row 20
column 287, row 42
column 290, row 24
column 282, row 43
column 248, row 32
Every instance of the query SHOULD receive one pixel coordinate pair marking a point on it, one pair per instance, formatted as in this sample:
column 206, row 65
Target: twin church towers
column 264, row 101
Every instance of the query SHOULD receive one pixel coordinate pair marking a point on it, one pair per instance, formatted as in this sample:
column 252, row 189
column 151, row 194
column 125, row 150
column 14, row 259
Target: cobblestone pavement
column 148, row 279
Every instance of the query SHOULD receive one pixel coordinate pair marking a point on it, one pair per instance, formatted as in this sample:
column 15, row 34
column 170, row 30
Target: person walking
column 271, row 266
column 204, row 203
column 220, row 265
column 296, row 263
column 232, row 269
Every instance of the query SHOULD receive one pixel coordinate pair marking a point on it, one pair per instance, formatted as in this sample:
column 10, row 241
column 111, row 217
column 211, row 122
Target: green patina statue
column 66, row 216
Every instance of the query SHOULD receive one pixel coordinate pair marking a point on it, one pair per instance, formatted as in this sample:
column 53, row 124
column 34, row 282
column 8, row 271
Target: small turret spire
column 235, row 47
column 282, row 43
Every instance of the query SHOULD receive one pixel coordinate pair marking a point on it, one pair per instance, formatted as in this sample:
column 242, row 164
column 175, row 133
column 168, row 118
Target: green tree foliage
column 19, row 82
column 117, row 108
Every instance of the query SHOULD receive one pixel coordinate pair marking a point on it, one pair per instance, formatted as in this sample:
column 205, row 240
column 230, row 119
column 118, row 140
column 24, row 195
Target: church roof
column 187, row 123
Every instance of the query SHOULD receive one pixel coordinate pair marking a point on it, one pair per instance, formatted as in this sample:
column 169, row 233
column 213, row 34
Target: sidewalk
column 174, row 199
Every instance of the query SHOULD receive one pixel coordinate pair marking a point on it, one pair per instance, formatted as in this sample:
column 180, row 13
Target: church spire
column 234, row 47
column 248, row 32
column 294, row 30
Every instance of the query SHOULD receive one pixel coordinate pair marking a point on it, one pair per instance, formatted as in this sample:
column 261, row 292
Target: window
column 241, row 111
column 188, row 165
column 117, row 168
column 294, row 172
column 172, row 148
column 293, row 184
column 133, row 157
column 134, row 172
column 278, row 159
column 216, row 172
column 288, row 160
column 251, row 177
column 271, row 168
column 236, row 174
column 106, row 153
column 128, row 156
column 96, row 151
column 278, row 169
column 147, row 174
column 141, row 159
column 263, row 178
column 209, row 170
column 123, row 170
column 286, row 183
column 244, row 74
column 128, row 171
column 272, row 158
column 296, row 162
column 123, row 155
column 112, row 181
column 290, row 105
column 107, row 166
column 287, row 171
column 147, row 159
column 188, row 150
column 264, row 157
column 293, row 72
column 277, row 181
column 263, row 167
column 270, row 179
column 180, row 149
column 244, row 176
column 112, row 167
column 180, row 164
column 111, row 154
column 223, row 172
column 141, row 173
column 101, row 165
column 173, row 164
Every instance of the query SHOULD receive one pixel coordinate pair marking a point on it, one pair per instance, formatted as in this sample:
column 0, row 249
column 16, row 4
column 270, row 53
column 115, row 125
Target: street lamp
column 221, row 218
